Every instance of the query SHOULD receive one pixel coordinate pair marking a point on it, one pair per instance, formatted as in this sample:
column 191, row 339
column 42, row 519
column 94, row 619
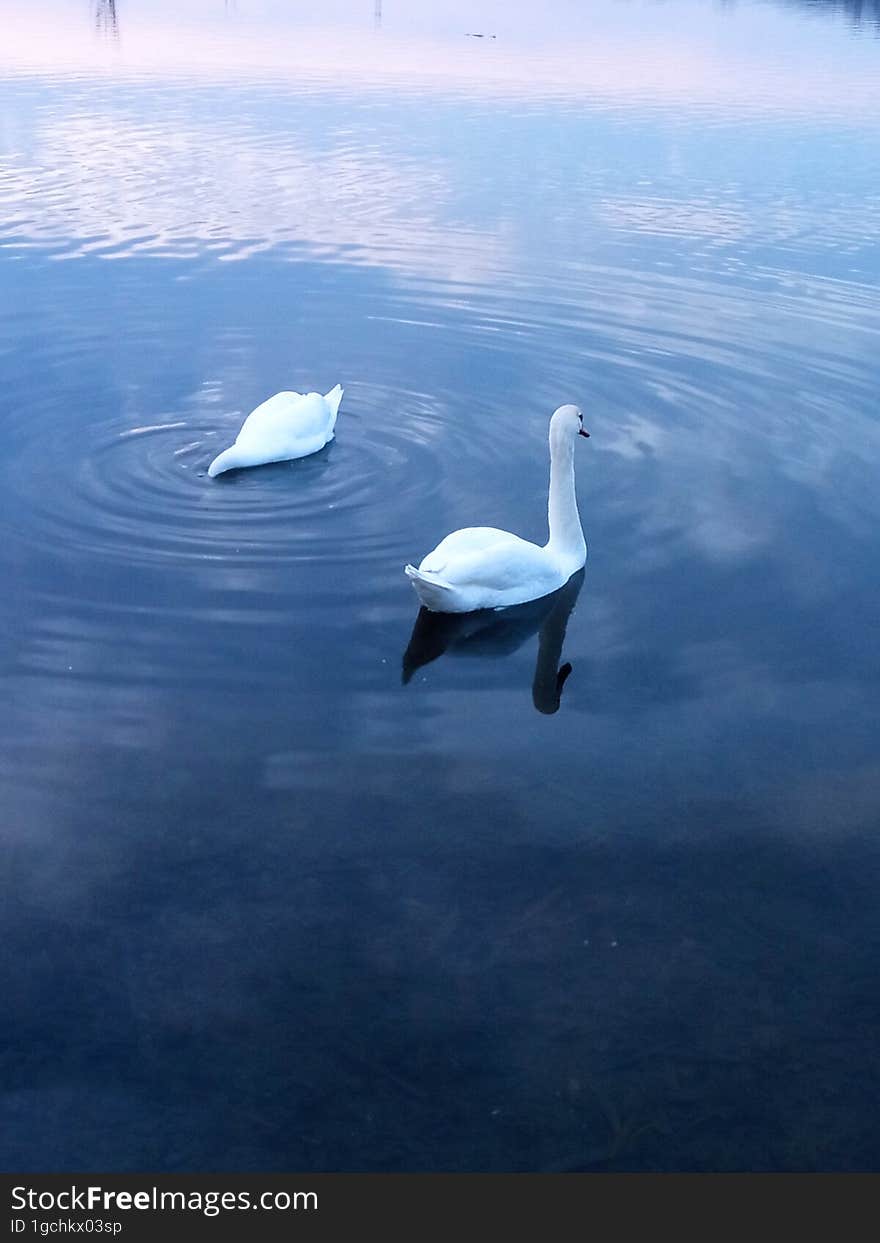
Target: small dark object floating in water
column 468, row 35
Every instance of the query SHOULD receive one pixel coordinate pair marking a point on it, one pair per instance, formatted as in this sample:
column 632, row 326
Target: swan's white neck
column 234, row 457
column 566, row 533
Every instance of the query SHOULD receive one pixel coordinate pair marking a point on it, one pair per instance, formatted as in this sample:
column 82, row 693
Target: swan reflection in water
column 491, row 632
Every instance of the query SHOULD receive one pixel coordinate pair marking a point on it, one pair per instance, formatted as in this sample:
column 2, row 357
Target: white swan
column 484, row 568
column 288, row 425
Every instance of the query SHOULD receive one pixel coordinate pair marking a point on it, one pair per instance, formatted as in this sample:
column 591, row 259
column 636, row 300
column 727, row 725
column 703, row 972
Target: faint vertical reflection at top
column 858, row 13
column 377, row 14
column 106, row 19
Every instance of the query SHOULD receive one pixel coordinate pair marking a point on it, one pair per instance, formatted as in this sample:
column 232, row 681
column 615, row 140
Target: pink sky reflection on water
column 691, row 55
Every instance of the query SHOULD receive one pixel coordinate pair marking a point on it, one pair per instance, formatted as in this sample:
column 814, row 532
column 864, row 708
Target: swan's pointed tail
column 431, row 590
column 333, row 399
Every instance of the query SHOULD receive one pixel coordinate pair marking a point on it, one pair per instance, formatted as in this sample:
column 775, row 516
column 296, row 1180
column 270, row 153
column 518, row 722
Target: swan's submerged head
column 566, row 423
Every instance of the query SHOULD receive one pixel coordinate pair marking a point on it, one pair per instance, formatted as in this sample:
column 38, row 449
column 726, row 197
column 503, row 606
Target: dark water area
column 295, row 876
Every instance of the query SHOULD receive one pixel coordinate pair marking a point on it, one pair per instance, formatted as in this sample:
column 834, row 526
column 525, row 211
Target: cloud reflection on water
column 225, row 812
column 116, row 186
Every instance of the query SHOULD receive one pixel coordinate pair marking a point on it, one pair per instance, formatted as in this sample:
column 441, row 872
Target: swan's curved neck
column 235, row 456
column 566, row 532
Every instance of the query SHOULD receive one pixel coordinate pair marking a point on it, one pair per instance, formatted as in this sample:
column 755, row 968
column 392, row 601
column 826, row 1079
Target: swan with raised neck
column 484, row 567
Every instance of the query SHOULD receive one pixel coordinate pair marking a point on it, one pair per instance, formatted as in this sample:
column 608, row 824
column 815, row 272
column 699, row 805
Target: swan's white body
column 288, row 425
column 484, row 568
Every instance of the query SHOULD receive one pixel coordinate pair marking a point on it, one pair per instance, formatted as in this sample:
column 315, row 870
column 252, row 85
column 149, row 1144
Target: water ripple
column 140, row 495
column 705, row 381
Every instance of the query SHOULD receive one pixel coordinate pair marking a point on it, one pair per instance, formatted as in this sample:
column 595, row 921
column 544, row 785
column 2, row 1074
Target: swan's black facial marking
column 583, row 432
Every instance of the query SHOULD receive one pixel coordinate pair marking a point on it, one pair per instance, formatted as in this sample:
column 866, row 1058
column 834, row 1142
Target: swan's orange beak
column 583, row 432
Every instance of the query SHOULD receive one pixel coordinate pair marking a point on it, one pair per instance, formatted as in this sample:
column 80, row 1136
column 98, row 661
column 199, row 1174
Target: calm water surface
column 294, row 878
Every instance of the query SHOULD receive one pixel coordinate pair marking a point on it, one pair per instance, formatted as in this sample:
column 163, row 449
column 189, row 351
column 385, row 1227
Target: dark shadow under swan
column 500, row 632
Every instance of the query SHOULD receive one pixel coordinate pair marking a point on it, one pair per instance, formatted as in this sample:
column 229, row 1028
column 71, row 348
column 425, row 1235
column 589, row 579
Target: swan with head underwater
column 484, row 568
column 286, row 426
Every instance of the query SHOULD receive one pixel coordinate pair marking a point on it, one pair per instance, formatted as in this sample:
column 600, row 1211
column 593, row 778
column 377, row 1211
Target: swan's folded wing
column 493, row 564
column 285, row 418
column 464, row 543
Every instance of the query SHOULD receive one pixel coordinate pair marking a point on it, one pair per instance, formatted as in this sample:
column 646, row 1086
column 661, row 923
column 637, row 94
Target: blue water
column 294, row 877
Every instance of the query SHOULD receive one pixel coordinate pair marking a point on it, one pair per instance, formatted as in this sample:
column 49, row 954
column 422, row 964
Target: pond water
column 295, row 878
